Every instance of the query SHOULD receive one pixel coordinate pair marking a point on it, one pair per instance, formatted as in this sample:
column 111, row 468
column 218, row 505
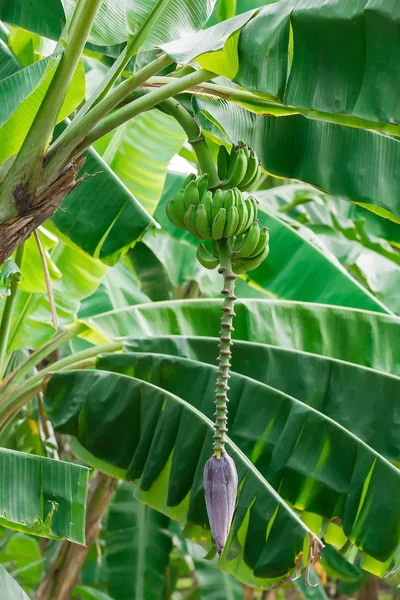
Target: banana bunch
column 206, row 215
column 248, row 250
column 238, row 168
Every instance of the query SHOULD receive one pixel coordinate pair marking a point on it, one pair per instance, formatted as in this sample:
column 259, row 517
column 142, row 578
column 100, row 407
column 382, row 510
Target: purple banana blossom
column 220, row 489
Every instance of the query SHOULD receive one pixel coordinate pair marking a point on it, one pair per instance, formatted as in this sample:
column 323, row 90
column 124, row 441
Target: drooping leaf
column 138, row 546
column 292, row 325
column 345, row 392
column 160, row 448
column 139, row 152
column 9, row 587
column 43, row 496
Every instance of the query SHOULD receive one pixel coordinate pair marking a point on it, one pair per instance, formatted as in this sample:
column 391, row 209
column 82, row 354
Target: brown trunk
column 16, row 231
column 370, row 590
column 63, row 575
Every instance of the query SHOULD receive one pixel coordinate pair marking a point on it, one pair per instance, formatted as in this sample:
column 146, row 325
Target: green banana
column 202, row 222
column 171, row 214
column 232, row 220
column 243, row 216
column 218, row 200
column 219, row 224
column 251, row 172
column 251, row 215
column 190, row 221
column 262, row 242
column 238, row 168
column 250, row 240
column 242, row 265
column 255, row 179
column 179, row 205
column 208, row 204
column 189, row 178
column 222, row 163
column 215, row 248
column 254, row 202
column 202, row 184
column 205, row 258
column 229, row 199
column 238, row 196
column 191, row 194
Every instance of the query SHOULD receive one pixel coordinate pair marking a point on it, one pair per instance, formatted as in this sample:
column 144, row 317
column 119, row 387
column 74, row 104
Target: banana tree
column 87, row 169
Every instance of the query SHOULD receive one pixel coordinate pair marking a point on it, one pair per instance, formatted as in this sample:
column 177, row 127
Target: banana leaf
column 42, row 496
column 137, row 547
column 362, row 400
column 156, row 448
column 10, row 589
column 362, row 337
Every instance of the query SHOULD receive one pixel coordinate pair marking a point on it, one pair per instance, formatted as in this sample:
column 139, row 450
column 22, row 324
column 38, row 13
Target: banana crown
column 238, row 168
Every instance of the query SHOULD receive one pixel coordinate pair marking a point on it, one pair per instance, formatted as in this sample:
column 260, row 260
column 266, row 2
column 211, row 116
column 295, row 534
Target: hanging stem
column 47, row 279
column 221, row 397
column 195, row 138
column 6, row 318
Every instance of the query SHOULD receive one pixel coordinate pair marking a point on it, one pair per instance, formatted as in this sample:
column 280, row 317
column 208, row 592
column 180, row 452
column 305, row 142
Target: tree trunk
column 63, row 575
column 18, row 229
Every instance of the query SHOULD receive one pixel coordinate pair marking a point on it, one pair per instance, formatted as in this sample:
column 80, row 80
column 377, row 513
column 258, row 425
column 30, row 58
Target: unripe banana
column 208, row 204
column 250, row 240
column 229, row 199
column 251, row 215
column 218, row 200
column 255, row 179
column 242, row 265
column 202, row 184
column 190, row 221
column 205, row 258
column 238, row 196
column 171, row 214
column 202, row 222
column 191, row 194
column 255, row 206
column 243, row 216
column 219, row 224
column 238, row 169
column 232, row 220
column 215, row 249
column 189, row 178
column 179, row 205
column 262, row 242
column 223, row 162
column 252, row 171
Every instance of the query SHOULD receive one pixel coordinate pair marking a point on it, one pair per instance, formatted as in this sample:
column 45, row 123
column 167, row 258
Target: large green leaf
column 155, row 20
column 354, row 164
column 138, row 546
column 10, row 589
column 164, row 443
column 362, row 86
column 8, row 63
column 293, row 445
column 139, row 152
column 22, row 553
column 43, row 496
column 101, row 215
column 362, row 337
column 295, row 268
column 345, row 392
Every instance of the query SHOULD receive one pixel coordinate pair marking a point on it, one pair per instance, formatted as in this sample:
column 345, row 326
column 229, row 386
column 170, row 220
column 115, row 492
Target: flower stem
column 6, row 318
column 221, row 397
column 195, row 138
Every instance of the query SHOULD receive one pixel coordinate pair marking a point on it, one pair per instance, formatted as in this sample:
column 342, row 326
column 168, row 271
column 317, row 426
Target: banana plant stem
column 195, row 138
column 6, row 318
column 17, row 397
column 25, row 173
column 38, row 355
column 127, row 112
column 225, row 335
column 84, row 121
